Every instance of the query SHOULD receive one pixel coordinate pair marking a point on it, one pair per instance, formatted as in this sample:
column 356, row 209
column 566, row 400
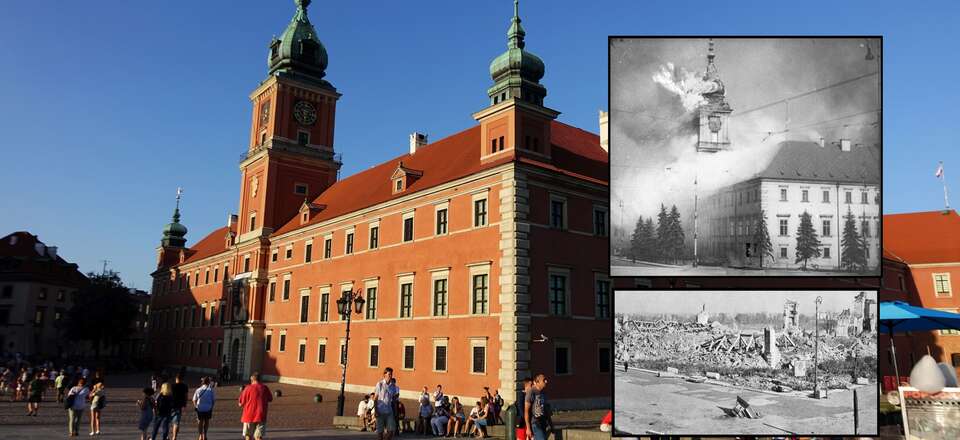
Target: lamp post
column 816, row 347
column 347, row 299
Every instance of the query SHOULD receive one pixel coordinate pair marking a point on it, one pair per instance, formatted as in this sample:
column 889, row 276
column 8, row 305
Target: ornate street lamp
column 816, row 347
column 348, row 299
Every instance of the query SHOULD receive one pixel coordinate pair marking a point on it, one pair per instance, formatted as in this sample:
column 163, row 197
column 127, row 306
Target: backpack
column 102, row 402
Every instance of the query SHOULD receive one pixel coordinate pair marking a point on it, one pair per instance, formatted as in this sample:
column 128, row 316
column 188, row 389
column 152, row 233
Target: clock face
column 265, row 113
column 305, row 113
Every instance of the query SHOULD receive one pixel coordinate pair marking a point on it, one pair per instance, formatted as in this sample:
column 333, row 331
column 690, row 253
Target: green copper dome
column 517, row 72
column 174, row 232
column 298, row 50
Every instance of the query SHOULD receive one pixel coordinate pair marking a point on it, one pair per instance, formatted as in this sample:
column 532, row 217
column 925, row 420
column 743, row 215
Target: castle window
column 300, row 189
column 849, row 198
column 783, row 227
column 783, row 194
column 374, row 237
column 246, row 263
column 493, row 146
column 826, row 252
column 479, row 213
column 826, row 228
column 805, row 196
column 275, row 49
column 863, row 197
column 303, row 138
column 399, row 185
column 500, row 144
column 253, row 221
column 826, row 196
column 263, row 137
column 349, row 248
column 408, row 227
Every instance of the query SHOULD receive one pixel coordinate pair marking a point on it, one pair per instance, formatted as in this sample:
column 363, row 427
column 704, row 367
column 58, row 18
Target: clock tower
column 290, row 157
column 713, row 115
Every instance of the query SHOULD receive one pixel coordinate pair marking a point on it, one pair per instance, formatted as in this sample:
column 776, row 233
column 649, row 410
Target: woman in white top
column 203, row 400
column 78, row 395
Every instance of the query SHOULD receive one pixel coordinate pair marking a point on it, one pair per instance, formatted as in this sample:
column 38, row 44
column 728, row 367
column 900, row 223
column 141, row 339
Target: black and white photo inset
column 745, row 156
column 745, row 363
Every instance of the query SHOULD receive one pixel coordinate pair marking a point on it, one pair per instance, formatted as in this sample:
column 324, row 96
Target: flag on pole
column 940, row 170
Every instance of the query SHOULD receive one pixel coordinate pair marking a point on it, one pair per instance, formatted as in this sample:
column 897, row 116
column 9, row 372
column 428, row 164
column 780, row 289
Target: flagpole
column 946, row 200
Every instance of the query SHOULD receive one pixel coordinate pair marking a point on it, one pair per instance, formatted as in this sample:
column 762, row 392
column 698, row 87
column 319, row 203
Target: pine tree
column 851, row 243
column 649, row 240
column 761, row 238
column 808, row 245
column 663, row 235
column 676, row 235
column 636, row 243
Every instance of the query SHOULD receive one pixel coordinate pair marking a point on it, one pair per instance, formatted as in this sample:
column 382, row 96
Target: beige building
column 37, row 288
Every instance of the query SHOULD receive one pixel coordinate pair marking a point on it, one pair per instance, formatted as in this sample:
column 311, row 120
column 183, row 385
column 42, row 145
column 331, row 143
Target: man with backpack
column 180, row 391
column 75, row 404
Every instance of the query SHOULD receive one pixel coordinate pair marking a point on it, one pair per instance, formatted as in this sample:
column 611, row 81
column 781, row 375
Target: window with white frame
column 371, row 301
column 941, row 284
column 603, row 297
column 286, row 288
column 558, row 212
column 374, row 235
column 343, row 352
column 406, row 296
column 325, row 304
column 440, row 354
column 480, row 288
column 480, row 209
column 374, row 353
column 288, row 252
column 600, row 221
column 322, row 351
column 267, row 339
column 308, row 251
column 478, row 355
column 328, row 247
column 409, row 349
column 272, row 290
column 440, row 218
column 438, row 289
column 348, row 242
column 408, row 226
column 563, row 357
column 283, row 341
column 301, row 351
column 558, row 291
column 304, row 305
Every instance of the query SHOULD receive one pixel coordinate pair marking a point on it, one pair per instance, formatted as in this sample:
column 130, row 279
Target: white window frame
column 563, row 343
column 480, row 195
column 351, row 230
column 371, row 342
column 305, row 244
column 606, row 220
column 443, row 206
column 304, row 292
column 597, row 278
column 282, row 346
column 405, row 278
column 302, row 342
column 480, row 341
column 441, row 342
column 284, row 293
column 404, row 343
column 442, row 273
column 481, row 268
column 565, row 272
column 949, row 284
column 305, row 185
column 371, row 284
column 325, row 238
column 342, row 357
column 370, row 227
column 566, row 218
column 323, row 342
column 403, row 227
column 288, row 252
column 325, row 290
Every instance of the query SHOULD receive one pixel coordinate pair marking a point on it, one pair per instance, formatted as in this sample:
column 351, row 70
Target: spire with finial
column 174, row 232
column 517, row 72
column 515, row 34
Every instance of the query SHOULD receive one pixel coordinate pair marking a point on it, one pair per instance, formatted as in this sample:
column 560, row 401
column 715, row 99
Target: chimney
column 844, row 144
column 40, row 248
column 231, row 220
column 605, row 131
column 821, row 142
column 417, row 140
column 52, row 252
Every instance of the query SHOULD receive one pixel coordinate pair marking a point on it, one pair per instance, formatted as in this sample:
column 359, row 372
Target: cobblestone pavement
column 295, row 412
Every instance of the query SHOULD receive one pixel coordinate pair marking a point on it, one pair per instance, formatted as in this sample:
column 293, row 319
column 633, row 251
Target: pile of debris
column 742, row 409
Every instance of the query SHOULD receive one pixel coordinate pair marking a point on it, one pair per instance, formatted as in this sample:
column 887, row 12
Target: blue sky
column 110, row 105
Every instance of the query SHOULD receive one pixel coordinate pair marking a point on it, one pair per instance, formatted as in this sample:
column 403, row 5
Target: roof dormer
column 403, row 177
column 308, row 210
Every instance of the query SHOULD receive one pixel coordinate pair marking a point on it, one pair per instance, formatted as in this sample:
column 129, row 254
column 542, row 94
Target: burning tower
column 713, row 114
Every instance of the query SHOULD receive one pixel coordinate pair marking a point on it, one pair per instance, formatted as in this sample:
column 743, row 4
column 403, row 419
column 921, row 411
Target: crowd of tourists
column 442, row 416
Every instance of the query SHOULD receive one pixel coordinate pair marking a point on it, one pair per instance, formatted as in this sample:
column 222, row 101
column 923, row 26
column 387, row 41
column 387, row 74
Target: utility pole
column 104, row 266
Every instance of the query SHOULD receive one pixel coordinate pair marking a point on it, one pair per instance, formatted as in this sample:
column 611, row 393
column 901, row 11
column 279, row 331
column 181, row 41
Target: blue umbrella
column 900, row 317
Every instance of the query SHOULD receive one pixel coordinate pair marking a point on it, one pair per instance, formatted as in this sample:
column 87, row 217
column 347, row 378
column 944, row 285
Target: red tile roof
column 922, row 237
column 214, row 243
column 575, row 152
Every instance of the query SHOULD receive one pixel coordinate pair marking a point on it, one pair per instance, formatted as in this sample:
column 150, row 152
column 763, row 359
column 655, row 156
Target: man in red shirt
column 254, row 400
